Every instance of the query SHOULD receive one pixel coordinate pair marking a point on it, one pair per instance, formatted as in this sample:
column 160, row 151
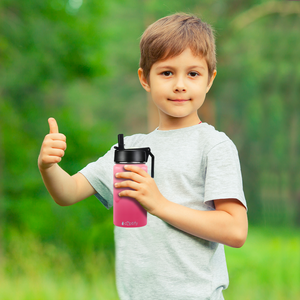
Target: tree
column 259, row 105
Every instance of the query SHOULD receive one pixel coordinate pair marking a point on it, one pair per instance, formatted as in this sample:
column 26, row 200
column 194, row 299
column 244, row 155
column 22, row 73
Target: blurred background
column 77, row 61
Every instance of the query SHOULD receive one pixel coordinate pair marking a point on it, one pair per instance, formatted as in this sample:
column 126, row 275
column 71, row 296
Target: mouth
column 179, row 100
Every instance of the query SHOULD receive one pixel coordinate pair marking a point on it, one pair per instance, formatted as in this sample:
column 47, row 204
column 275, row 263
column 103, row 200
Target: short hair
column 171, row 35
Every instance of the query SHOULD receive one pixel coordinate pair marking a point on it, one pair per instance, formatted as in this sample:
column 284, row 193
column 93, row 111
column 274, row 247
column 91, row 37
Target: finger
column 127, row 184
column 130, row 175
column 56, row 152
column 56, row 136
column 49, row 159
column 56, row 144
column 53, row 125
column 128, row 193
column 136, row 169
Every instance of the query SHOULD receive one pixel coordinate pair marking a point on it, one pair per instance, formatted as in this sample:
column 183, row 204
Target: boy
column 195, row 201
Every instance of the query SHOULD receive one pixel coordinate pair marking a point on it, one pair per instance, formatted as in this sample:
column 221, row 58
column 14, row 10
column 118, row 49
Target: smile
column 179, row 100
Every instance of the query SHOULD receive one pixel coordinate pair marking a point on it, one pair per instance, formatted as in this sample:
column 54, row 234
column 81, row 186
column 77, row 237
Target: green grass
column 32, row 270
column 266, row 267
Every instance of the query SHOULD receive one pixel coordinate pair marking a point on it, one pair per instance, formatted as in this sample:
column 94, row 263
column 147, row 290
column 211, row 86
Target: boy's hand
column 144, row 189
column 53, row 147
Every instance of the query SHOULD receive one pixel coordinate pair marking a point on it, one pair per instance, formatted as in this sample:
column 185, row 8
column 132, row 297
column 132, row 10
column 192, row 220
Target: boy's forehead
column 185, row 58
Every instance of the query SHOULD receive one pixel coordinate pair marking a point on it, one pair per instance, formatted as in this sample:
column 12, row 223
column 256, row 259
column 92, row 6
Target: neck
column 177, row 123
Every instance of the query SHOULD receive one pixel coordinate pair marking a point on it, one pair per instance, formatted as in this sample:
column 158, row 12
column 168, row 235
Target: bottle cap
column 134, row 155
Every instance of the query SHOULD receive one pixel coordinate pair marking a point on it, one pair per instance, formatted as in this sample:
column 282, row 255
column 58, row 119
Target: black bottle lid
column 134, row 155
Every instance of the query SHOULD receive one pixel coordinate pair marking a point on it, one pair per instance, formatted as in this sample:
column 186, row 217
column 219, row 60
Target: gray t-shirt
column 193, row 167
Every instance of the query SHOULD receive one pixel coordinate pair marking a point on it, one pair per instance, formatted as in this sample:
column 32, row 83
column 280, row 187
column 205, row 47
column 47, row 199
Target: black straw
column 121, row 141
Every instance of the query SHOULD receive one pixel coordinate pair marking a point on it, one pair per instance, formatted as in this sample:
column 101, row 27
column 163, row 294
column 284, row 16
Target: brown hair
column 171, row 35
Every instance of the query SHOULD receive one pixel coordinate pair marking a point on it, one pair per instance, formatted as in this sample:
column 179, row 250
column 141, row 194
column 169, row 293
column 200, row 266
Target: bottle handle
column 152, row 162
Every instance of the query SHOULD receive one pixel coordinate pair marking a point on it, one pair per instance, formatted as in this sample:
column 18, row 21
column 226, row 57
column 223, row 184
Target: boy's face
column 178, row 86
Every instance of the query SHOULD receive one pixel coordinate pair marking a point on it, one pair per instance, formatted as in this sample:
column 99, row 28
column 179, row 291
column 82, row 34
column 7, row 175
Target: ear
column 211, row 81
column 143, row 80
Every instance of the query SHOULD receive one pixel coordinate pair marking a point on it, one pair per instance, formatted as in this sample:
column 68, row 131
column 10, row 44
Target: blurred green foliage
column 77, row 61
column 35, row 270
column 261, row 269
column 257, row 92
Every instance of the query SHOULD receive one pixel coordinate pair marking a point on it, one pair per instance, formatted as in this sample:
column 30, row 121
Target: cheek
column 201, row 88
column 160, row 95
column 155, row 96
column 157, row 90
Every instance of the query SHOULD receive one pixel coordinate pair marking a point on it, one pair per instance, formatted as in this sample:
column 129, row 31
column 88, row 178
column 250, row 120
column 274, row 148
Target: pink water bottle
column 128, row 212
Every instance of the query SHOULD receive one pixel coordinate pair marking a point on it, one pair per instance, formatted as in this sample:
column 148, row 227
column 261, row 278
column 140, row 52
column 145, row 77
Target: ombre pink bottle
column 128, row 212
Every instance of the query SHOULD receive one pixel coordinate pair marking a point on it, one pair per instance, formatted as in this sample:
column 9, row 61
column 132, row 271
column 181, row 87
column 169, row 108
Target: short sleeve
column 100, row 176
column 223, row 178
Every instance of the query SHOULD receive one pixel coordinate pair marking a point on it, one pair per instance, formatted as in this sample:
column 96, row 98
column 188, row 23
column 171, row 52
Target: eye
column 193, row 74
column 167, row 73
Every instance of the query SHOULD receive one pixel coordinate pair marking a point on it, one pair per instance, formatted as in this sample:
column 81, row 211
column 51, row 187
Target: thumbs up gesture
column 53, row 147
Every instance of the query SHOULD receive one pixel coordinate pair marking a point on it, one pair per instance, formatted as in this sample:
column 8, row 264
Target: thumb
column 53, row 125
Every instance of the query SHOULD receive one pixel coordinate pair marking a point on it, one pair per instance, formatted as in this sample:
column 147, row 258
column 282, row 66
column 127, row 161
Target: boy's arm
column 227, row 224
column 64, row 189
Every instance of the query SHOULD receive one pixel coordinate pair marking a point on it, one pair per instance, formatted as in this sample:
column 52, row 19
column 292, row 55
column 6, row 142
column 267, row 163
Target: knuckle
column 129, row 175
column 47, row 143
column 43, row 153
column 61, row 146
column 127, row 193
column 46, row 162
column 63, row 137
column 133, row 176
column 122, row 184
column 126, row 184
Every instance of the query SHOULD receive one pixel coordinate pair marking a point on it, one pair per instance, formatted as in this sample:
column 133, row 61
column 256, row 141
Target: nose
column 179, row 86
column 180, row 89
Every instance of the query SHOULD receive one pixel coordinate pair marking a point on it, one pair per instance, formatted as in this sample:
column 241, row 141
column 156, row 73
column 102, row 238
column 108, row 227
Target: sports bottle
column 128, row 212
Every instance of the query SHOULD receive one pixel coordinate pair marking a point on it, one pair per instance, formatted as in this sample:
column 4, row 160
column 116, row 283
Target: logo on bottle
column 129, row 223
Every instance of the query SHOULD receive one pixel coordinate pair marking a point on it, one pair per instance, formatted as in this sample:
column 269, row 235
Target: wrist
column 45, row 168
column 162, row 207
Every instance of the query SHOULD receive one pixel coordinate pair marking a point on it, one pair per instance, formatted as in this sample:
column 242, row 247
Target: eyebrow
column 191, row 67
column 195, row 67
